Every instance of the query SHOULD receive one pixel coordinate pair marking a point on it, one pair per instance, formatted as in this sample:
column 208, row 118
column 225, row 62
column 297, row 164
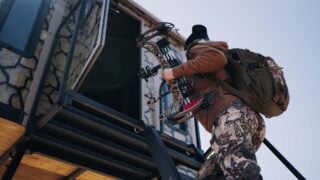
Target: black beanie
column 198, row 32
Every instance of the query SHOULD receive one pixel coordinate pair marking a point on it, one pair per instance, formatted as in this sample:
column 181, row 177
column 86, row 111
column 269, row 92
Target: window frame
column 4, row 11
column 27, row 45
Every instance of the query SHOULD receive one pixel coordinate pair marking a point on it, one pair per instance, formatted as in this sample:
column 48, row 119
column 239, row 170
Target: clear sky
column 288, row 31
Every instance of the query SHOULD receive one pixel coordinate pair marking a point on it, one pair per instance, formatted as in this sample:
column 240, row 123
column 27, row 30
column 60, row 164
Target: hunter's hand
column 167, row 74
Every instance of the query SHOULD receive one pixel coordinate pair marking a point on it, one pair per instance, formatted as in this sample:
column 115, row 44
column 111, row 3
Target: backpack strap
column 232, row 55
column 223, row 84
column 232, row 89
column 231, row 62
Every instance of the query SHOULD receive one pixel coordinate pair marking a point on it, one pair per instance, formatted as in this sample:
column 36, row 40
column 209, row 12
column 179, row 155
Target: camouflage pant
column 237, row 133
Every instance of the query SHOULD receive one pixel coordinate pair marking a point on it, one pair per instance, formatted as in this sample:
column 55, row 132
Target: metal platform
column 94, row 136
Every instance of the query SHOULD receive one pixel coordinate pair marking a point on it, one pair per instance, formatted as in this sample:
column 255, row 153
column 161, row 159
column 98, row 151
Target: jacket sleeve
column 207, row 62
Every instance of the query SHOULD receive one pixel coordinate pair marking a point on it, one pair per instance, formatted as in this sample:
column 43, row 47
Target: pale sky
column 288, row 31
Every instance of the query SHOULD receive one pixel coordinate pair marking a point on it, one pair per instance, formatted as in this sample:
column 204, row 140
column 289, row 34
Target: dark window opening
column 113, row 79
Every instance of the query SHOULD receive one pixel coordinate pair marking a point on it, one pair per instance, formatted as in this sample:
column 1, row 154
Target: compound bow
column 180, row 88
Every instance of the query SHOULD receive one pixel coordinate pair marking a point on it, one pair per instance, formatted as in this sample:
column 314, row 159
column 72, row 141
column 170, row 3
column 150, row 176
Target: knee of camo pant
column 206, row 170
column 210, row 170
column 239, row 167
column 251, row 172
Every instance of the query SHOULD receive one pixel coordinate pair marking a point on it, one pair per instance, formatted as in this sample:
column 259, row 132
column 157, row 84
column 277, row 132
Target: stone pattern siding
column 86, row 42
column 17, row 72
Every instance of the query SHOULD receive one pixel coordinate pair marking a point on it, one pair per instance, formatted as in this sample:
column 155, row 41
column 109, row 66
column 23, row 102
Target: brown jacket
column 207, row 58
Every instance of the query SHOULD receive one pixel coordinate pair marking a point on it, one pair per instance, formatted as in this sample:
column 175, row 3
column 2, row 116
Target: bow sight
column 180, row 88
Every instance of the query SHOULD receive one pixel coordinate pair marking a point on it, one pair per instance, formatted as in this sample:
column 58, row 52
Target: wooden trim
column 89, row 175
column 75, row 174
column 48, row 164
column 27, row 172
column 10, row 133
column 38, row 166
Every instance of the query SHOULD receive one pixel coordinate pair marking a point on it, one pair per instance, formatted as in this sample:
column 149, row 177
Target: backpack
column 258, row 81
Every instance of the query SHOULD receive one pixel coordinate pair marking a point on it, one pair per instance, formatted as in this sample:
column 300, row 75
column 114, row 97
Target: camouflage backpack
column 258, row 81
